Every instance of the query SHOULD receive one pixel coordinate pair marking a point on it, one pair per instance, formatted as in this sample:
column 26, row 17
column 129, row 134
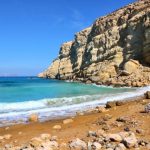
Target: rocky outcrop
column 115, row 50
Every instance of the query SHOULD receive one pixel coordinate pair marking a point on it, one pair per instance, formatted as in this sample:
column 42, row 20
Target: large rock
column 113, row 51
column 131, row 66
column 130, row 141
column 78, row 144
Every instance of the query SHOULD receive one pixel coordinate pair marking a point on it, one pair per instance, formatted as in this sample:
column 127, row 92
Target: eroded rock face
column 113, row 44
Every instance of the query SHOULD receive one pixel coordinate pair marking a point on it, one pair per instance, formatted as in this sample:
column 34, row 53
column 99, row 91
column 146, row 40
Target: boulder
column 131, row 66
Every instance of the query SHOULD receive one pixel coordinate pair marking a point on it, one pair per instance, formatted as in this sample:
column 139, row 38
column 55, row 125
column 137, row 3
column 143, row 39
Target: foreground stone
column 130, row 141
column 33, row 118
column 147, row 108
column 57, row 127
column 67, row 121
column 78, row 144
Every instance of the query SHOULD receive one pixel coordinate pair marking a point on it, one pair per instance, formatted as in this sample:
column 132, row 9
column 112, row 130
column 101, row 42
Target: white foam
column 60, row 107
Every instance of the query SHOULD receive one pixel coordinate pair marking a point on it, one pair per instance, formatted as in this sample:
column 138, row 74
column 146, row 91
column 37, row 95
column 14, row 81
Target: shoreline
column 55, row 113
column 82, row 123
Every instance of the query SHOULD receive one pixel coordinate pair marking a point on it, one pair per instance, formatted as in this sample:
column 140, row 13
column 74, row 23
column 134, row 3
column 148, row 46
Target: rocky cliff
column 115, row 50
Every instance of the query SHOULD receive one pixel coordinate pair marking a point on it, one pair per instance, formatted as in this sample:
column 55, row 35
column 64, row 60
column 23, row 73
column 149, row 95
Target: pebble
column 57, row 127
column 67, row 121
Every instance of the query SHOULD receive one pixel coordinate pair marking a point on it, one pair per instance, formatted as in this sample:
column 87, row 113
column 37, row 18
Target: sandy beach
column 135, row 120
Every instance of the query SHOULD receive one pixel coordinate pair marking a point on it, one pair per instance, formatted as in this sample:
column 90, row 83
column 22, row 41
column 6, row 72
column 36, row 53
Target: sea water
column 52, row 99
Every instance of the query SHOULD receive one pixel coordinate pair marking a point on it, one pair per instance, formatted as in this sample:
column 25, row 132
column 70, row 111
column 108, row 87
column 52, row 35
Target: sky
column 32, row 31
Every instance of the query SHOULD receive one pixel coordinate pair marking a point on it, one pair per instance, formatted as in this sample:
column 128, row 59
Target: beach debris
column 57, row 127
column 33, row 118
column 67, row 121
column 78, row 144
column 147, row 108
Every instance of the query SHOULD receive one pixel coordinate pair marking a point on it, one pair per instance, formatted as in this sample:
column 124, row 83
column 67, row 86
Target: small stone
column 57, row 127
column 19, row 133
column 101, row 109
column 91, row 133
column 36, row 142
column 78, row 144
column 120, row 146
column 67, row 121
column 96, row 146
column 130, row 141
column 45, row 136
column 54, row 138
column 1, row 138
column 7, row 128
column 33, row 118
column 114, row 137
column 147, row 108
column 148, row 146
column 147, row 94
column 139, row 131
column 110, row 104
column 7, row 136
column 120, row 103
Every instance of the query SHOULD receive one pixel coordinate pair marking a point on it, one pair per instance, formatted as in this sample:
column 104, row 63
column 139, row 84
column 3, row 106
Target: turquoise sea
column 51, row 99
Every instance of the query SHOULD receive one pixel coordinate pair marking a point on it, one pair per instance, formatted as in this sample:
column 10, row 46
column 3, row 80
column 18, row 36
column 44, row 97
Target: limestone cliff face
column 114, row 50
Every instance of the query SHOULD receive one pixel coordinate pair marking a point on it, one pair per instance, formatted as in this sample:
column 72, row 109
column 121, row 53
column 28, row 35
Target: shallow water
column 22, row 96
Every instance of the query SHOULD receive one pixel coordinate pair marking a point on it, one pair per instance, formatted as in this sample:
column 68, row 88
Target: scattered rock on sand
column 147, row 94
column 67, row 121
column 114, row 137
column 120, row 146
column 57, row 127
column 45, row 136
column 110, row 104
column 147, row 108
column 33, row 118
column 78, row 144
column 7, row 136
column 130, row 141
column 101, row 109
column 36, row 142
column 96, row 146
